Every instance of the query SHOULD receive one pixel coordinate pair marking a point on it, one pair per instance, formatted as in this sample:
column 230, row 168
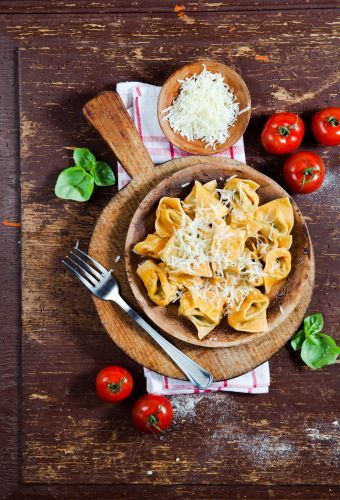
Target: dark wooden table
column 57, row 439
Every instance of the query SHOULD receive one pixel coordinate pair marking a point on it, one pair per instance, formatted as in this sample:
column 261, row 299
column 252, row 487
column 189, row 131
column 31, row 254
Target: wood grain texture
column 107, row 114
column 286, row 437
column 159, row 6
column 10, row 245
column 191, row 491
column 171, row 89
column 94, row 444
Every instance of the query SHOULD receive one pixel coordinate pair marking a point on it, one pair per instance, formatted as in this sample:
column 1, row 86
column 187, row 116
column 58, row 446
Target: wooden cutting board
column 108, row 243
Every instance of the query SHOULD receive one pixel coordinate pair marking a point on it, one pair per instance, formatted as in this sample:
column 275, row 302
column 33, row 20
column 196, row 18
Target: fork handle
column 197, row 375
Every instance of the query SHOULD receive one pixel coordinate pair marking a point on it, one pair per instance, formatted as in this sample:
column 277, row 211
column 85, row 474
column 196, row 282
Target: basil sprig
column 317, row 348
column 77, row 183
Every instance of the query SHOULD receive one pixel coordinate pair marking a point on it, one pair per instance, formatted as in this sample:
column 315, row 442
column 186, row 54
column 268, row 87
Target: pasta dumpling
column 151, row 246
column 206, row 202
column 245, row 198
column 278, row 265
column 276, row 218
column 205, row 315
column 169, row 216
column 189, row 203
column 156, row 280
column 251, row 316
column 285, row 241
column 184, row 281
column 250, row 226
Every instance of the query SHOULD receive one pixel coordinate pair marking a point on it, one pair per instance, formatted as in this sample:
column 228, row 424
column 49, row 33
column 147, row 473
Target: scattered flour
column 258, row 448
column 184, row 406
column 317, row 434
column 267, row 447
column 258, row 445
column 324, row 435
column 323, row 432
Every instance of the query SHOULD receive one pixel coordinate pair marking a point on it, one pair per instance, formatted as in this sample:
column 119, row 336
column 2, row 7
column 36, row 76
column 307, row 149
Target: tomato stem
column 153, row 420
column 114, row 388
column 309, row 172
column 331, row 120
column 285, row 131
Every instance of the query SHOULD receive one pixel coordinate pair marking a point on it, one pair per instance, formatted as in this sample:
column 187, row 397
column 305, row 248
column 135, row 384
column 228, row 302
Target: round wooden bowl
column 283, row 298
column 170, row 90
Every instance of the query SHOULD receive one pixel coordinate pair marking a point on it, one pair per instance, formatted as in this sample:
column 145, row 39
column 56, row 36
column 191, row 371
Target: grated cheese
column 199, row 242
column 204, row 109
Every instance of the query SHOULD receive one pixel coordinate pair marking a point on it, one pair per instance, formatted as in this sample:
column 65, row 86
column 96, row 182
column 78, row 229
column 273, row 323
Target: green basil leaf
column 103, row 175
column 84, row 158
column 74, row 183
column 319, row 350
column 297, row 340
column 313, row 324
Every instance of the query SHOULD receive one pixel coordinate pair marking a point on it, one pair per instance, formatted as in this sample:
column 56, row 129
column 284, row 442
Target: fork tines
column 79, row 265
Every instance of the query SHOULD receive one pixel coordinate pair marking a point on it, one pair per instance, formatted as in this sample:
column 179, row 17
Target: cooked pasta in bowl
column 218, row 253
column 216, row 257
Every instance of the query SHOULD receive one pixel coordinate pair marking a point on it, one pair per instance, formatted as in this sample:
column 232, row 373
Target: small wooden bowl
column 170, row 90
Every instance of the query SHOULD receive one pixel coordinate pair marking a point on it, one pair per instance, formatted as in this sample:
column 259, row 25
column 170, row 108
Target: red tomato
column 304, row 172
column 282, row 133
column 326, row 126
column 114, row 384
column 152, row 414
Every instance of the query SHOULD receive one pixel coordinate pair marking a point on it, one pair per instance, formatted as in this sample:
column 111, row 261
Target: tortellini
column 151, row 246
column 156, row 280
column 252, row 315
column 278, row 265
column 205, row 315
column 169, row 216
column 276, row 218
column 245, row 198
column 220, row 253
column 189, row 203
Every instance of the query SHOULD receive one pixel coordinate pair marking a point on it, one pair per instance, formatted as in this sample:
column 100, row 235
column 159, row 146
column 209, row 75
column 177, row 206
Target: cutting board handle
column 108, row 115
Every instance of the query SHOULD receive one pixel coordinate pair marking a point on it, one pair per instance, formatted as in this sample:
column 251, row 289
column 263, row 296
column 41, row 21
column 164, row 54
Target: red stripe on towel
column 172, row 151
column 139, row 122
column 254, row 378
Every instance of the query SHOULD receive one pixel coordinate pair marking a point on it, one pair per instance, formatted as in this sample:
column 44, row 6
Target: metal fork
column 104, row 285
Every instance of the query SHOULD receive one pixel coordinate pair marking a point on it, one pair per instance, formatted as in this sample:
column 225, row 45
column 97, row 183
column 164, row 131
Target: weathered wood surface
column 181, row 492
column 284, row 438
column 164, row 6
column 10, row 325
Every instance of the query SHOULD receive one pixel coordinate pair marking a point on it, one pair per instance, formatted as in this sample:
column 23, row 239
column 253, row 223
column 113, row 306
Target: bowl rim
column 199, row 147
column 207, row 342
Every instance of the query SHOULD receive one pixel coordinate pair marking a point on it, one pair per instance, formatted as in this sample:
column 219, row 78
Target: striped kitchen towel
column 141, row 102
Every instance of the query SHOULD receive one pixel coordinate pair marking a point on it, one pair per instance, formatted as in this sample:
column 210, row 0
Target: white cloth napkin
column 141, row 102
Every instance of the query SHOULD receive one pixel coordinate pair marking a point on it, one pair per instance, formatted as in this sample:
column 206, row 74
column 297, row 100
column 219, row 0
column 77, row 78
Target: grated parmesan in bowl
column 204, row 109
